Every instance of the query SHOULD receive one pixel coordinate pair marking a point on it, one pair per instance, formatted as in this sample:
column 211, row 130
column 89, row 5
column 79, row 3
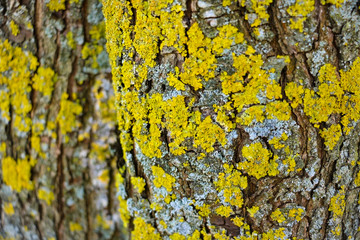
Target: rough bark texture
column 59, row 149
column 239, row 116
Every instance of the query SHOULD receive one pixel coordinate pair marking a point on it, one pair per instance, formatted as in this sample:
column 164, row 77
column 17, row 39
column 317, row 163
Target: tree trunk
column 57, row 126
column 238, row 118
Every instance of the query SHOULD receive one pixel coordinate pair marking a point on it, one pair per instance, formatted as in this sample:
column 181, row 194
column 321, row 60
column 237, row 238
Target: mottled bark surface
column 58, row 172
column 238, row 116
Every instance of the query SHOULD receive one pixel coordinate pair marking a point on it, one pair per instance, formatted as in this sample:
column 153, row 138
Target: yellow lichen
column 44, row 80
column 56, row 5
column 337, row 3
column 138, row 183
column 143, row 230
column 204, row 210
column 253, row 210
column 299, row 12
column 70, row 40
column 238, row 221
column 279, row 109
column 224, row 211
column 9, row 209
column 294, row 93
column 67, row 114
column 331, row 135
column 231, row 182
column 14, row 28
column 296, row 213
column 123, row 210
column 278, row 216
column 162, row 179
column 337, row 203
column 207, row 134
column 275, row 141
column 16, row 174
column 177, row 236
column 74, row 226
column 258, row 162
column 46, row 195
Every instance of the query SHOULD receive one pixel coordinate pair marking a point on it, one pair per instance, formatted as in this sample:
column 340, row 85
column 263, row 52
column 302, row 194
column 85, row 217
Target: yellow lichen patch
column 177, row 123
column 46, row 195
column 260, row 9
column 9, row 209
column 278, row 216
column 337, row 3
column 331, row 135
column 90, row 53
column 67, row 114
column 228, row 35
column 231, row 182
column 231, row 83
column 294, row 93
column 174, row 81
column 104, row 176
column 138, row 183
column 275, row 141
column 207, row 134
column 274, row 234
column 201, row 63
column 204, row 210
column 56, row 5
column 250, row 66
column 238, row 221
column 16, row 174
column 296, row 213
column 70, row 40
column 273, row 91
column 195, row 235
column 330, row 96
column 155, row 206
column 223, row 116
column 290, row 162
column 172, row 29
column 74, row 226
column 279, row 109
column 299, row 11
column 253, row 210
column 285, row 58
column 102, row 222
column 177, row 236
column 143, row 230
column 16, row 68
column 162, row 179
column 337, row 206
column 256, row 113
column 14, row 28
column 258, row 162
column 44, row 80
column 224, row 211
column 226, row 2
column 163, row 224
column 123, row 210
column 221, row 235
column 337, row 203
column 97, row 32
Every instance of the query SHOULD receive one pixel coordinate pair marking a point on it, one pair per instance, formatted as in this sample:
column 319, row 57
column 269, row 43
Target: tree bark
column 58, row 172
column 238, row 118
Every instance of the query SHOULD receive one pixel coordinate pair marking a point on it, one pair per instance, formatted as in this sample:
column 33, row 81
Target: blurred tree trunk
column 57, row 129
column 239, row 116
